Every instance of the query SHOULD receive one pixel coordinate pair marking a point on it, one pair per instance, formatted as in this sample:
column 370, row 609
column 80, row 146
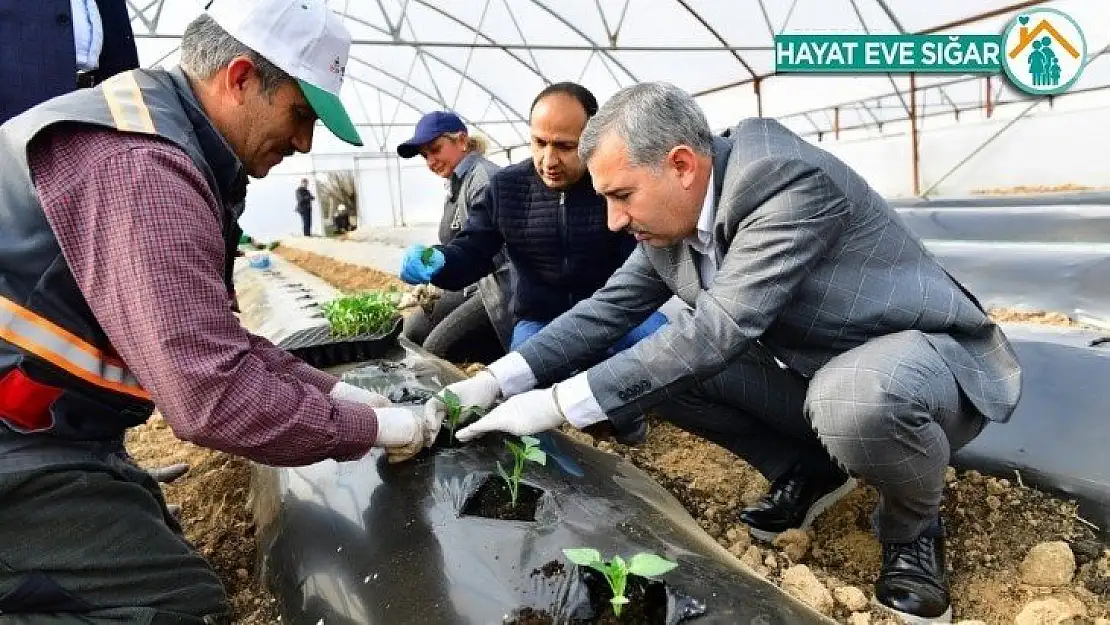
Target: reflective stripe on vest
column 125, row 101
column 65, row 350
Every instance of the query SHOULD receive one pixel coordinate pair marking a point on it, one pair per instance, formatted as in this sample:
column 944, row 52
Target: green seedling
column 372, row 312
column 457, row 414
column 530, row 450
column 426, row 255
column 616, row 571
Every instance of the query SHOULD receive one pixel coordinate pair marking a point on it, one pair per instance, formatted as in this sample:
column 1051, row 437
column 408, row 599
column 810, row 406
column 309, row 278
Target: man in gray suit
column 817, row 325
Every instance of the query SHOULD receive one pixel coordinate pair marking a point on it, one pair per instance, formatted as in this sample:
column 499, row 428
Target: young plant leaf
column 471, row 412
column 426, row 255
column 616, row 570
column 532, row 451
column 649, row 565
column 503, row 474
column 618, row 564
column 450, row 399
column 583, row 556
column 372, row 312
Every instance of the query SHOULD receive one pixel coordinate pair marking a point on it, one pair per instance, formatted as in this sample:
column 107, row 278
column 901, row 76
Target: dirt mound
column 1008, row 315
column 992, row 524
column 343, row 276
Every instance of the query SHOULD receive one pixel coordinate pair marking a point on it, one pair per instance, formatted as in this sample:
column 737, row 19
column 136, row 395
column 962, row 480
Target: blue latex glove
column 413, row 269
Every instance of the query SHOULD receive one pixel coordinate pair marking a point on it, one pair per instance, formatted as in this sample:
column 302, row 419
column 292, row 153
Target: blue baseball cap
column 428, row 129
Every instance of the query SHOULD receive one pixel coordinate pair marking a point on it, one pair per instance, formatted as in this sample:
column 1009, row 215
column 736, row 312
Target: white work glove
column 479, row 391
column 527, row 413
column 400, row 432
column 350, row 392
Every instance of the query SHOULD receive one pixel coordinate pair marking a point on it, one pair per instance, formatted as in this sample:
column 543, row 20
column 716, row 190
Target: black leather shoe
column 913, row 581
column 795, row 499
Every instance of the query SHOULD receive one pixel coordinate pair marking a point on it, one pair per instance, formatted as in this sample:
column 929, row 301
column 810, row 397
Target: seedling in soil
column 457, row 414
column 372, row 312
column 616, row 571
column 529, row 451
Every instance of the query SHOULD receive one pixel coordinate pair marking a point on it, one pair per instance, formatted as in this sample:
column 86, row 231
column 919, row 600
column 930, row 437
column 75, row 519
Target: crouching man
column 821, row 340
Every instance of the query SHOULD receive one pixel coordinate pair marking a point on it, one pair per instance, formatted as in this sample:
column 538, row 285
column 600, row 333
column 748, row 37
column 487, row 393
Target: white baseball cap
column 304, row 39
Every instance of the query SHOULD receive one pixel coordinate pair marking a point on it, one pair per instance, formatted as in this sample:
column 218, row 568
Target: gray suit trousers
column 889, row 411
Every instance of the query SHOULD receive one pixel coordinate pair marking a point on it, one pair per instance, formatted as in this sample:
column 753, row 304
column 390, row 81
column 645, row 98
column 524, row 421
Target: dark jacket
column 44, row 62
column 557, row 241
column 304, row 200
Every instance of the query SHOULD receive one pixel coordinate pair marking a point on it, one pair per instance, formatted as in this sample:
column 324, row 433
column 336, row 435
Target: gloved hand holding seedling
column 521, row 453
column 420, row 264
column 616, row 571
column 457, row 414
column 427, row 255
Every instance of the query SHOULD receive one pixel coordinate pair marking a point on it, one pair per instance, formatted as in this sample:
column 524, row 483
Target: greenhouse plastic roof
column 487, row 59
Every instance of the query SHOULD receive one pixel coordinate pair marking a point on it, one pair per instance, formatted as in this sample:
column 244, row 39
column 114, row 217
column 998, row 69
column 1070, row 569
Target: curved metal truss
column 486, row 59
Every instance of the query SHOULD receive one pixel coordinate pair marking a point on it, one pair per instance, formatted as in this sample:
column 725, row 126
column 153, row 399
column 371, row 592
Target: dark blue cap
column 430, row 127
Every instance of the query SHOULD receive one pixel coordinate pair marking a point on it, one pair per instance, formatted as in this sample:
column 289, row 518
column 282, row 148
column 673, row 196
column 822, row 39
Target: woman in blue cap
column 471, row 325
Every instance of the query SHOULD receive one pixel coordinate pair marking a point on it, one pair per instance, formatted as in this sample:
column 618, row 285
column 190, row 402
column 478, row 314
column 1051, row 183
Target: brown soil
column 1035, row 189
column 992, row 523
column 530, row 616
column 214, row 515
column 492, row 500
column 647, row 601
column 343, row 276
column 1009, row 315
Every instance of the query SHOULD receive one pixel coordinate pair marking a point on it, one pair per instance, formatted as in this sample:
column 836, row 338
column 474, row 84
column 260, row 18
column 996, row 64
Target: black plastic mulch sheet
column 372, row 543
column 1059, row 435
column 1047, row 252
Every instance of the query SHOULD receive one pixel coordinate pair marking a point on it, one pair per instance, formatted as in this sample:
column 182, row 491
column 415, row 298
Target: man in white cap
column 116, row 205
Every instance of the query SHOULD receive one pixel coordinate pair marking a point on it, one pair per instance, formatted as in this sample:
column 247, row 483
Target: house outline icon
column 1025, row 37
column 1038, row 23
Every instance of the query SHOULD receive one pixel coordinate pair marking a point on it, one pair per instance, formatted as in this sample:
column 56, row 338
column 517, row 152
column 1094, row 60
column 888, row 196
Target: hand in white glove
column 350, row 392
column 527, row 413
column 400, row 432
column 479, row 391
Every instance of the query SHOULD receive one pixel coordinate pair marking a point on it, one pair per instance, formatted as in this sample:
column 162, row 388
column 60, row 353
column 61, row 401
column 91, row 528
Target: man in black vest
column 552, row 224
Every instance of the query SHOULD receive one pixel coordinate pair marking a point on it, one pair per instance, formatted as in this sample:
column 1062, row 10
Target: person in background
column 114, row 208
column 469, row 324
column 821, row 340
column 304, row 199
column 342, row 219
column 550, row 222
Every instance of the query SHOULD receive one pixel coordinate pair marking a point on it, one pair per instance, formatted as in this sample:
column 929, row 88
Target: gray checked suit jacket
column 813, row 264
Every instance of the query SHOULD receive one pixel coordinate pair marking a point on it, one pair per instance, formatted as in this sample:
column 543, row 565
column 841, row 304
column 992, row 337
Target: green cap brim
column 330, row 110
